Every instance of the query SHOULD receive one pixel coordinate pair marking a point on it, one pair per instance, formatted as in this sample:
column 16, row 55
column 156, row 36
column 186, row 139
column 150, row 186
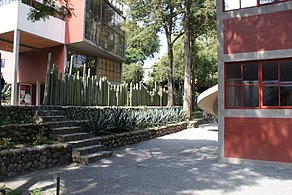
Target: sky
column 163, row 49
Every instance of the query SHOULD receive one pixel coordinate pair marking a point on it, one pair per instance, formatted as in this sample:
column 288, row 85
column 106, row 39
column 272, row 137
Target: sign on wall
column 25, row 94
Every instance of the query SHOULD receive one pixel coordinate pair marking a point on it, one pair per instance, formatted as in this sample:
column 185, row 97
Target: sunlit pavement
column 181, row 163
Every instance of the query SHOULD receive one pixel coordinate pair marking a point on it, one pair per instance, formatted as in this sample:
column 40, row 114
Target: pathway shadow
column 165, row 165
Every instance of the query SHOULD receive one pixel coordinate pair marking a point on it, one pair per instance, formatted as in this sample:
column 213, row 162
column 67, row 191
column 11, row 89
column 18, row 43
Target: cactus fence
column 91, row 91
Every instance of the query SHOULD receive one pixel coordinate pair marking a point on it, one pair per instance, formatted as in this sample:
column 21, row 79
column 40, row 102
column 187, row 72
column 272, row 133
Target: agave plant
column 122, row 120
column 75, row 113
column 99, row 121
column 5, row 143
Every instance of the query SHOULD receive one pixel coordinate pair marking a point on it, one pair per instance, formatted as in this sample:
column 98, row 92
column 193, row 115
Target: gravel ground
column 181, row 163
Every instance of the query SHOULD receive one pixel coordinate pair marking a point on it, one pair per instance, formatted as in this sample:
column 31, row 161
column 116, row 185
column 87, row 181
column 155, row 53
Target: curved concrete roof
column 207, row 100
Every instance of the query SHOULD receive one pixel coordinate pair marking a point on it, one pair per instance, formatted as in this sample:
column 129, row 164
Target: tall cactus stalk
column 47, row 84
column 71, row 65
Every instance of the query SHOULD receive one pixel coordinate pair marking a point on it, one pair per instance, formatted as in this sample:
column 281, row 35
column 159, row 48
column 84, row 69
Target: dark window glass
column 286, row 71
column 270, row 96
column 250, row 73
column 286, row 95
column 234, row 96
column 251, row 96
column 233, row 74
column 79, row 59
column 270, row 73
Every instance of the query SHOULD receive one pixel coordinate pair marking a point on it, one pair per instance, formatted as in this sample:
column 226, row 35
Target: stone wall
column 113, row 141
column 25, row 133
column 16, row 112
column 16, row 161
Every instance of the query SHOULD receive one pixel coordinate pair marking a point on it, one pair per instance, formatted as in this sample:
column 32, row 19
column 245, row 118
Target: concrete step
column 84, row 142
column 53, row 118
column 66, row 123
column 92, row 157
column 67, row 130
column 50, row 112
column 72, row 137
column 87, row 150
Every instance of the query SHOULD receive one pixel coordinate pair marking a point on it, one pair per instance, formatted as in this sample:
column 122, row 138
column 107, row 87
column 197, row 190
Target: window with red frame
column 239, row 4
column 242, row 85
column 265, row 84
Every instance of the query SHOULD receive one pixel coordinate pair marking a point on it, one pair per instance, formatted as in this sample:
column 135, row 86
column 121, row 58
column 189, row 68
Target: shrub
column 8, row 191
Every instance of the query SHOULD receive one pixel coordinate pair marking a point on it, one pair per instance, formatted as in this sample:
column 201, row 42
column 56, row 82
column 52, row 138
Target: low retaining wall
column 16, row 161
column 113, row 141
column 23, row 133
column 16, row 112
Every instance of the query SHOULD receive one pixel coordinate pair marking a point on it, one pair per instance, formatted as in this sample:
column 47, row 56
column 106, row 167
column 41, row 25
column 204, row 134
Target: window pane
column 248, row 3
column 233, row 74
column 267, row 1
column 231, row 4
column 270, row 73
column 270, row 96
column 234, row 96
column 250, row 73
column 286, row 71
column 251, row 98
column 286, row 95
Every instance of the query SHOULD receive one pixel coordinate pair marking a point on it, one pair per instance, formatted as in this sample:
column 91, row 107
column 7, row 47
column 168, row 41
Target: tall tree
column 202, row 23
column 165, row 15
column 187, row 103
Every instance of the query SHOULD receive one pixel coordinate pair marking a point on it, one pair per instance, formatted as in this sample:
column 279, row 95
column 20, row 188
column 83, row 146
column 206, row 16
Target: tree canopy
column 132, row 73
column 142, row 42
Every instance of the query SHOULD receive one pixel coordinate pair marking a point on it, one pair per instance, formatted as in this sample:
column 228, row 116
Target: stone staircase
column 85, row 147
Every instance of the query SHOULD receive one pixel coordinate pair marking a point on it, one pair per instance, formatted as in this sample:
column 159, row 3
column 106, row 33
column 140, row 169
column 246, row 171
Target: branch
column 178, row 36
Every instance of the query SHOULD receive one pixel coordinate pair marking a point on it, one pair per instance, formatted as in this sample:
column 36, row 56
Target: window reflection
column 79, row 60
column 104, row 29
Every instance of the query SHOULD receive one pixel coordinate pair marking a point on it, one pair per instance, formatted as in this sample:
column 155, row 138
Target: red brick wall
column 258, row 138
column 263, row 32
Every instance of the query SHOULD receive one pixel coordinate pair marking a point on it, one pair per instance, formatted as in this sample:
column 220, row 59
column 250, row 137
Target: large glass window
column 103, row 26
column 110, row 69
column 79, row 60
column 259, row 84
column 238, row 4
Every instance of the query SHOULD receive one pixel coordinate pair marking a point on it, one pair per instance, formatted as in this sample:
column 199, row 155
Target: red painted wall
column 75, row 24
column 33, row 65
column 258, row 33
column 258, row 138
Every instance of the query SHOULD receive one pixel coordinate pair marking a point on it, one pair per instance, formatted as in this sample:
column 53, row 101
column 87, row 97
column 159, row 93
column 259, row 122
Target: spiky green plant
column 5, row 143
column 121, row 120
column 6, row 92
column 98, row 122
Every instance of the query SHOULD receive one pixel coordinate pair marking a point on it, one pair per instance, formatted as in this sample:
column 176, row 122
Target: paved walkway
column 181, row 163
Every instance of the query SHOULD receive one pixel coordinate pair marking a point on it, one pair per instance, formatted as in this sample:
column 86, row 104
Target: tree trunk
column 187, row 104
column 170, row 101
column 193, row 60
